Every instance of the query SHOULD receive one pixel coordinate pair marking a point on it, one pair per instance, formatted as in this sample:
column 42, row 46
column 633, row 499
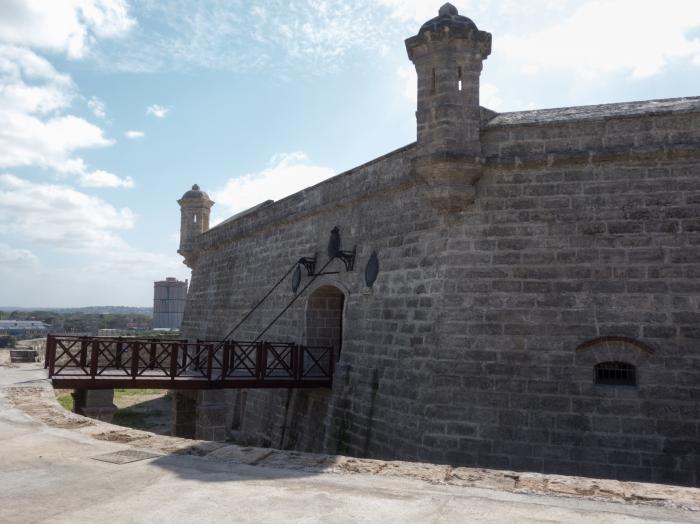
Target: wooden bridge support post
column 83, row 351
column 118, row 353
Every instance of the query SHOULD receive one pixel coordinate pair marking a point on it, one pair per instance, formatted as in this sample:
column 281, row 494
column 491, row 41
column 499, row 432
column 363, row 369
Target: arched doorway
column 324, row 318
column 307, row 410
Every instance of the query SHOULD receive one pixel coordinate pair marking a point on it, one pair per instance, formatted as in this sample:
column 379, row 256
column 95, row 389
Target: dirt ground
column 144, row 409
column 4, row 357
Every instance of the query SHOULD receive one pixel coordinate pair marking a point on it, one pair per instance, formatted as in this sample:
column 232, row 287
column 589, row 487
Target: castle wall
column 556, row 252
column 389, row 326
column 632, row 131
column 469, row 349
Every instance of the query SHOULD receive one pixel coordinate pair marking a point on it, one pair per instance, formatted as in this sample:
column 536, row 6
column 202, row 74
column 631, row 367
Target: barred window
column 615, row 374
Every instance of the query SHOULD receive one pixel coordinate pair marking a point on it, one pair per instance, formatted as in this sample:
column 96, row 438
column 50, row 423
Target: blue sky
column 111, row 109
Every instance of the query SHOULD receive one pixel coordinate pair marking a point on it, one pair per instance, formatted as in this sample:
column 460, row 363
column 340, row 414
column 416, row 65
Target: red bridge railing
column 106, row 363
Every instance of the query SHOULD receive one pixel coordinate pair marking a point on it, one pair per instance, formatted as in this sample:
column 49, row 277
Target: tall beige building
column 169, row 297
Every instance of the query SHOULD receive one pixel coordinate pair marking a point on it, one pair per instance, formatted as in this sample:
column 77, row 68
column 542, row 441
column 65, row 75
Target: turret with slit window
column 195, row 207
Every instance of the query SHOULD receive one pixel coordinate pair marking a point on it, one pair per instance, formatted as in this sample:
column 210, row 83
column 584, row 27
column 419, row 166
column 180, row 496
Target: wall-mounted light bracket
column 309, row 264
column 347, row 258
column 334, row 250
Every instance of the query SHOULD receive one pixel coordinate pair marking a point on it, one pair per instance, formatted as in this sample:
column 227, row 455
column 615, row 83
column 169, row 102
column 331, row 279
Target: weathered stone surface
column 98, row 403
column 293, row 460
column 22, row 355
column 565, row 227
column 239, row 455
column 482, row 478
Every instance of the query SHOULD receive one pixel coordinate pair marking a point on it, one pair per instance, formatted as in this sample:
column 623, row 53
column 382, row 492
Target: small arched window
column 615, row 374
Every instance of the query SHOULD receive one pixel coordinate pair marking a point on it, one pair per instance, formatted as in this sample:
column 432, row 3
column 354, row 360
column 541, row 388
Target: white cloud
column 102, row 178
column 235, row 35
column 409, row 81
column 610, row 36
column 65, row 26
column 84, row 231
column 59, row 215
column 586, row 37
column 97, row 107
column 286, row 174
column 589, row 39
column 37, row 130
column 134, row 134
column 16, row 257
column 489, row 96
column 30, row 84
column 157, row 111
column 34, row 132
column 419, row 11
column 26, row 140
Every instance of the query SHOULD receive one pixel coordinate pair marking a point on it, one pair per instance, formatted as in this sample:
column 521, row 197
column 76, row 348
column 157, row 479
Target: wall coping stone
column 596, row 112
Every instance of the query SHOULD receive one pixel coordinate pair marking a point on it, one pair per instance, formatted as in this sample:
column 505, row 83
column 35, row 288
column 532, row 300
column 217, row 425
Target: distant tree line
column 7, row 341
column 78, row 322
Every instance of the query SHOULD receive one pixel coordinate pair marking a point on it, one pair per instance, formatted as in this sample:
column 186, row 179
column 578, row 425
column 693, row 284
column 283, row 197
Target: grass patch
column 135, row 420
column 66, row 400
column 118, row 393
column 130, row 419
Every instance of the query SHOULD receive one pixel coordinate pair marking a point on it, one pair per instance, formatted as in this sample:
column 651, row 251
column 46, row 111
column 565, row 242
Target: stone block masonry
column 98, row 404
column 539, row 313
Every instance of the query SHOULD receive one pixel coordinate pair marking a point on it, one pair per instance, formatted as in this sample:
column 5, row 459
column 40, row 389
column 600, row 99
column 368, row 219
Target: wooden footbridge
column 126, row 362
column 107, row 363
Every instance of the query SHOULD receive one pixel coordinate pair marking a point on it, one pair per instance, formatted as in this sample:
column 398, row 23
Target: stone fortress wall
column 574, row 241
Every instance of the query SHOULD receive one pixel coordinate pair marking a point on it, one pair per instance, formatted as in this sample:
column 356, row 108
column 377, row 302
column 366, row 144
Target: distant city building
column 169, row 297
column 23, row 328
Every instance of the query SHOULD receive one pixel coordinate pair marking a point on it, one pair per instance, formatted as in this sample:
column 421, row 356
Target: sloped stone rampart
column 38, row 401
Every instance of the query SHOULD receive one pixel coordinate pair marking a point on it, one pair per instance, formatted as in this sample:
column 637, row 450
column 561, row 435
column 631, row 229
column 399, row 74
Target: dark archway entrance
column 307, row 410
column 324, row 318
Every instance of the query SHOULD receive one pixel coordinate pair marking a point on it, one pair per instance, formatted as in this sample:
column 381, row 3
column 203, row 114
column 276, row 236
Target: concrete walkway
column 49, row 474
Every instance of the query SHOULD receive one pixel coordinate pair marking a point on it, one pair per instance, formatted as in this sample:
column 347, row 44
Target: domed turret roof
column 195, row 193
column 448, row 25
column 448, row 16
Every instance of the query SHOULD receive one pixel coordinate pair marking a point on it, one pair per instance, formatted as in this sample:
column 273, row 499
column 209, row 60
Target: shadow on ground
column 152, row 415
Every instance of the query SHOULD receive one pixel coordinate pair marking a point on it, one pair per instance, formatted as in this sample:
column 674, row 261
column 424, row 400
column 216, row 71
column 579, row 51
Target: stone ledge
column 23, row 355
column 38, row 401
column 598, row 112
